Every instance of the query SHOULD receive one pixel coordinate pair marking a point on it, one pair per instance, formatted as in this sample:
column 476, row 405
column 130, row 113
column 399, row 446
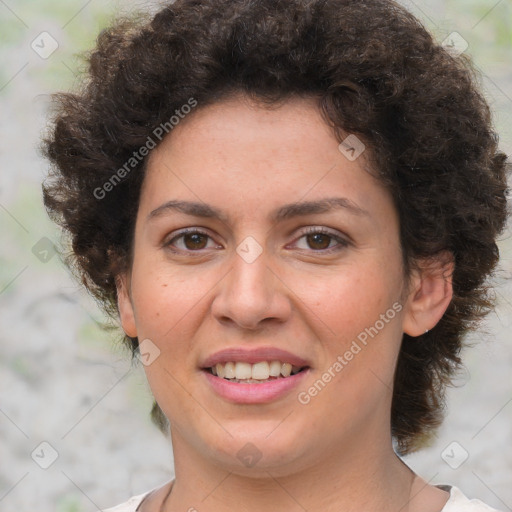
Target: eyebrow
column 189, row 208
column 320, row 206
column 287, row 211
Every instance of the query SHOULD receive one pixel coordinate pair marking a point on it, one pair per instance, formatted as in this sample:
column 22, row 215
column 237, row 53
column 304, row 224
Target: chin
column 256, row 452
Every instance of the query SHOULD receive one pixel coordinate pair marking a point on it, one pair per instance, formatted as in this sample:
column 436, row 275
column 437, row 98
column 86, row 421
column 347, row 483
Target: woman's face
column 259, row 242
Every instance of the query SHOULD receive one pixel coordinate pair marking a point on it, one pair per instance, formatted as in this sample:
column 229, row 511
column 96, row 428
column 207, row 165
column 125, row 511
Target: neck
column 349, row 479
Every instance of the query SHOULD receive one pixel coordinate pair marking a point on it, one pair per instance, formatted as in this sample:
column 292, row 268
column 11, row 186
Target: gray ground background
column 66, row 382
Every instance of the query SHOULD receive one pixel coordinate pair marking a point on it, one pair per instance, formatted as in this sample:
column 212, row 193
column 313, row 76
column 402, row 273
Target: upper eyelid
column 326, row 231
column 306, row 230
column 320, row 229
column 185, row 231
column 334, row 234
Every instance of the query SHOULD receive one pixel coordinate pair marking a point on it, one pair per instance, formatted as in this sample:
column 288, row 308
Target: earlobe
column 430, row 294
column 125, row 307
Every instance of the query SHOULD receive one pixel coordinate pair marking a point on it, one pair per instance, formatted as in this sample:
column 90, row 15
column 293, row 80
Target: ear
column 125, row 306
column 430, row 292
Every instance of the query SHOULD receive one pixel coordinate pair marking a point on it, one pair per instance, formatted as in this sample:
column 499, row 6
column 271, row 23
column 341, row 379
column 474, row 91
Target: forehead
column 237, row 152
column 236, row 123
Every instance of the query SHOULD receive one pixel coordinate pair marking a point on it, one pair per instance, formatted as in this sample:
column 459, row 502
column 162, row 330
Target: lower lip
column 242, row 393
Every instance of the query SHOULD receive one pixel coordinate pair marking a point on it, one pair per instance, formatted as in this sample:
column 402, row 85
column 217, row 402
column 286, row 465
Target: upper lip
column 252, row 356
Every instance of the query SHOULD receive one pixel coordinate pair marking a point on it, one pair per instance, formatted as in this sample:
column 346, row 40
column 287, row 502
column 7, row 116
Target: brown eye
column 318, row 241
column 321, row 241
column 195, row 241
column 190, row 241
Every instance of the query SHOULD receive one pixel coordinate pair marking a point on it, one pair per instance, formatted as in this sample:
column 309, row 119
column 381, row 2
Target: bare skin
column 321, row 279
column 422, row 497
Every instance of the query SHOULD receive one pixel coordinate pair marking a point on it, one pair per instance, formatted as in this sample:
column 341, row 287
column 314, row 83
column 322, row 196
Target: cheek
column 357, row 314
column 166, row 300
column 170, row 308
column 351, row 300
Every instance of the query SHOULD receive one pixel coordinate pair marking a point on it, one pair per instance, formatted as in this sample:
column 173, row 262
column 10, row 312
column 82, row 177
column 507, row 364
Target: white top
column 456, row 503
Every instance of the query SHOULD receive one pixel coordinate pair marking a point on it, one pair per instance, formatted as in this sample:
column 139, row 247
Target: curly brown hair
column 379, row 75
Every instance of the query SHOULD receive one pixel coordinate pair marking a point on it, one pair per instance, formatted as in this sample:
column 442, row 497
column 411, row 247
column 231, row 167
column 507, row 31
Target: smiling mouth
column 263, row 371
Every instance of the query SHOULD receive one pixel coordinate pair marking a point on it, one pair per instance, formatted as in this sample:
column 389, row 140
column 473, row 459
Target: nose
column 252, row 295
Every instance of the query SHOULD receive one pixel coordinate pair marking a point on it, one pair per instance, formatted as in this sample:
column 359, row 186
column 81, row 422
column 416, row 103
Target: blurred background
column 75, row 433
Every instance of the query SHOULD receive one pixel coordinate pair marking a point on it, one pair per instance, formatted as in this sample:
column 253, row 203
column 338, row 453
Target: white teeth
column 220, row 370
column 275, row 368
column 243, row 370
column 229, row 371
column 258, row 372
column 286, row 369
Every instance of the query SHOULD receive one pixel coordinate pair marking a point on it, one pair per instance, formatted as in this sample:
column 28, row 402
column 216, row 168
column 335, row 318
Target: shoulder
column 458, row 502
column 129, row 506
column 150, row 498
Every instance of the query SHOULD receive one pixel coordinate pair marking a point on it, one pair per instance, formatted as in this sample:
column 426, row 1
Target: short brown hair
column 379, row 75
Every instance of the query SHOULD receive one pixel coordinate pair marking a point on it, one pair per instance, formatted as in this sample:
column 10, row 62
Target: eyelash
column 341, row 242
column 182, row 233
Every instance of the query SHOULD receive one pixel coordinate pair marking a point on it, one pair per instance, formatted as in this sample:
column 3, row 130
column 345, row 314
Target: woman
column 292, row 207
